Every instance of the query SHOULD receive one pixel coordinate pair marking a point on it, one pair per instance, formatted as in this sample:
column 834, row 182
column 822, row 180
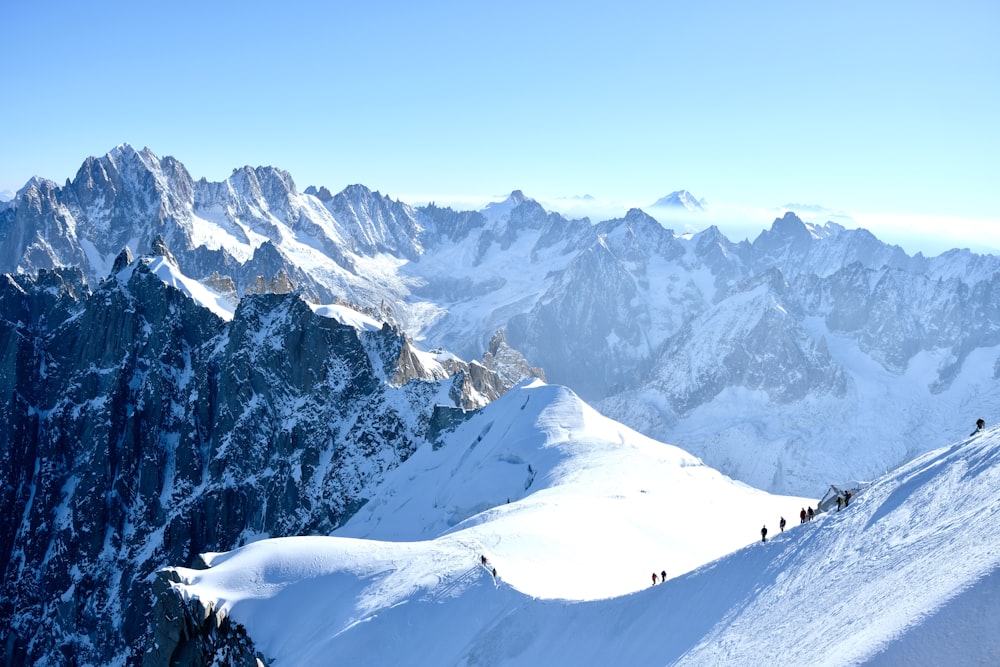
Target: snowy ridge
column 223, row 305
column 907, row 574
column 565, row 503
column 346, row 315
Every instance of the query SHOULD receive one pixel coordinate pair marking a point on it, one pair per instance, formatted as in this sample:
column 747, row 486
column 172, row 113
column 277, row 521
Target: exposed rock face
column 613, row 309
column 186, row 632
column 756, row 346
column 140, row 430
column 508, row 363
column 601, row 305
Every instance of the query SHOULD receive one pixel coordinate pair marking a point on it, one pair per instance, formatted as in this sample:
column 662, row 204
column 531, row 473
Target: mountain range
column 762, row 358
column 187, row 367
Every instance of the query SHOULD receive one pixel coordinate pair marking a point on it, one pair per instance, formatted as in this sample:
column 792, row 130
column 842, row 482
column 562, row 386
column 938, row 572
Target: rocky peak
column 636, row 216
column 322, row 193
column 376, row 223
column 124, row 259
column 508, row 363
column 267, row 186
column 159, row 249
column 499, row 212
column 790, row 226
column 280, row 283
column 784, row 246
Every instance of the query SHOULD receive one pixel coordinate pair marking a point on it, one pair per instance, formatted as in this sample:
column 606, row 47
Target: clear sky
column 886, row 111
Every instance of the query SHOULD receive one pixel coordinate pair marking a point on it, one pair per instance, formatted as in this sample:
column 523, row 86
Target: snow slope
column 566, row 503
column 908, row 574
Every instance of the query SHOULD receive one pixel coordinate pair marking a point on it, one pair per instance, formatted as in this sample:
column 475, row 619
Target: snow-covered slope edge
column 565, row 503
column 906, row 575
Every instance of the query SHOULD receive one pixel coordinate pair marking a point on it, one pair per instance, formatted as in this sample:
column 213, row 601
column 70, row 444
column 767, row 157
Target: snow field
column 908, row 574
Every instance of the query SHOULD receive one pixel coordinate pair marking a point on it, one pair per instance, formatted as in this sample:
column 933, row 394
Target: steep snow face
column 907, row 573
column 222, row 305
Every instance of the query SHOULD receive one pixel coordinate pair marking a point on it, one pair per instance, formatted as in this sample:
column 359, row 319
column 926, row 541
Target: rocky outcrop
column 187, row 632
column 139, row 430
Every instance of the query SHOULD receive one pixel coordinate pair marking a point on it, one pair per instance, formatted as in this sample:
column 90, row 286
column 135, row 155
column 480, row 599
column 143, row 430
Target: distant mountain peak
column 320, row 193
column 681, row 199
column 496, row 211
column 638, row 215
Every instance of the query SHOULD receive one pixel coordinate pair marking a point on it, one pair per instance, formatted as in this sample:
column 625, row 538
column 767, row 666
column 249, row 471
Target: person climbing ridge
column 802, row 515
column 811, row 513
column 980, row 425
column 840, row 501
column 781, row 524
column 847, row 499
column 763, row 534
column 654, row 578
column 663, row 576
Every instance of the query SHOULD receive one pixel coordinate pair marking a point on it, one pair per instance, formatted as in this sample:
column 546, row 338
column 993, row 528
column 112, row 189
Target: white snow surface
column 346, row 315
column 907, row 574
column 222, row 305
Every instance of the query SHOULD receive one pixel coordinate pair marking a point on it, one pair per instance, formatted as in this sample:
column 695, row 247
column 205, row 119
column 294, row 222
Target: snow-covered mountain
column 680, row 199
column 908, row 573
column 152, row 417
column 273, row 356
column 850, row 338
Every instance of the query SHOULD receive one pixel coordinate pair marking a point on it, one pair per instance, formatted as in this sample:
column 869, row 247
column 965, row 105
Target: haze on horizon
column 884, row 114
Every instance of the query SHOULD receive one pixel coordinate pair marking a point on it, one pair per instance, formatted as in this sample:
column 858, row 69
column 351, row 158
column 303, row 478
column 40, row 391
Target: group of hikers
column 807, row 514
column 486, row 563
column 844, row 499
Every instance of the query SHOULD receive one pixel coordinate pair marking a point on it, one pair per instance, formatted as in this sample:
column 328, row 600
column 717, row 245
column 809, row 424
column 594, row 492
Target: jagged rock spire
column 122, row 261
column 160, row 249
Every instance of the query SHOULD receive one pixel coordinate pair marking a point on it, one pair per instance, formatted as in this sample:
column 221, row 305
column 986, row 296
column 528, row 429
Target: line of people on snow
column 486, row 563
column 843, row 499
column 807, row 514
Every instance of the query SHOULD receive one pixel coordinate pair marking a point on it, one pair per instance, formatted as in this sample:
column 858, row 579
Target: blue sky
column 885, row 111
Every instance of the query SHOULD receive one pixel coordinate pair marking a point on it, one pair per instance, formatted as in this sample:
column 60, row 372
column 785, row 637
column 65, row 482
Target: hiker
column 802, row 515
column 763, row 534
column 810, row 513
column 781, row 524
column 483, row 558
column 980, row 425
column 654, row 578
column 494, row 573
column 847, row 499
column 840, row 501
column 663, row 576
